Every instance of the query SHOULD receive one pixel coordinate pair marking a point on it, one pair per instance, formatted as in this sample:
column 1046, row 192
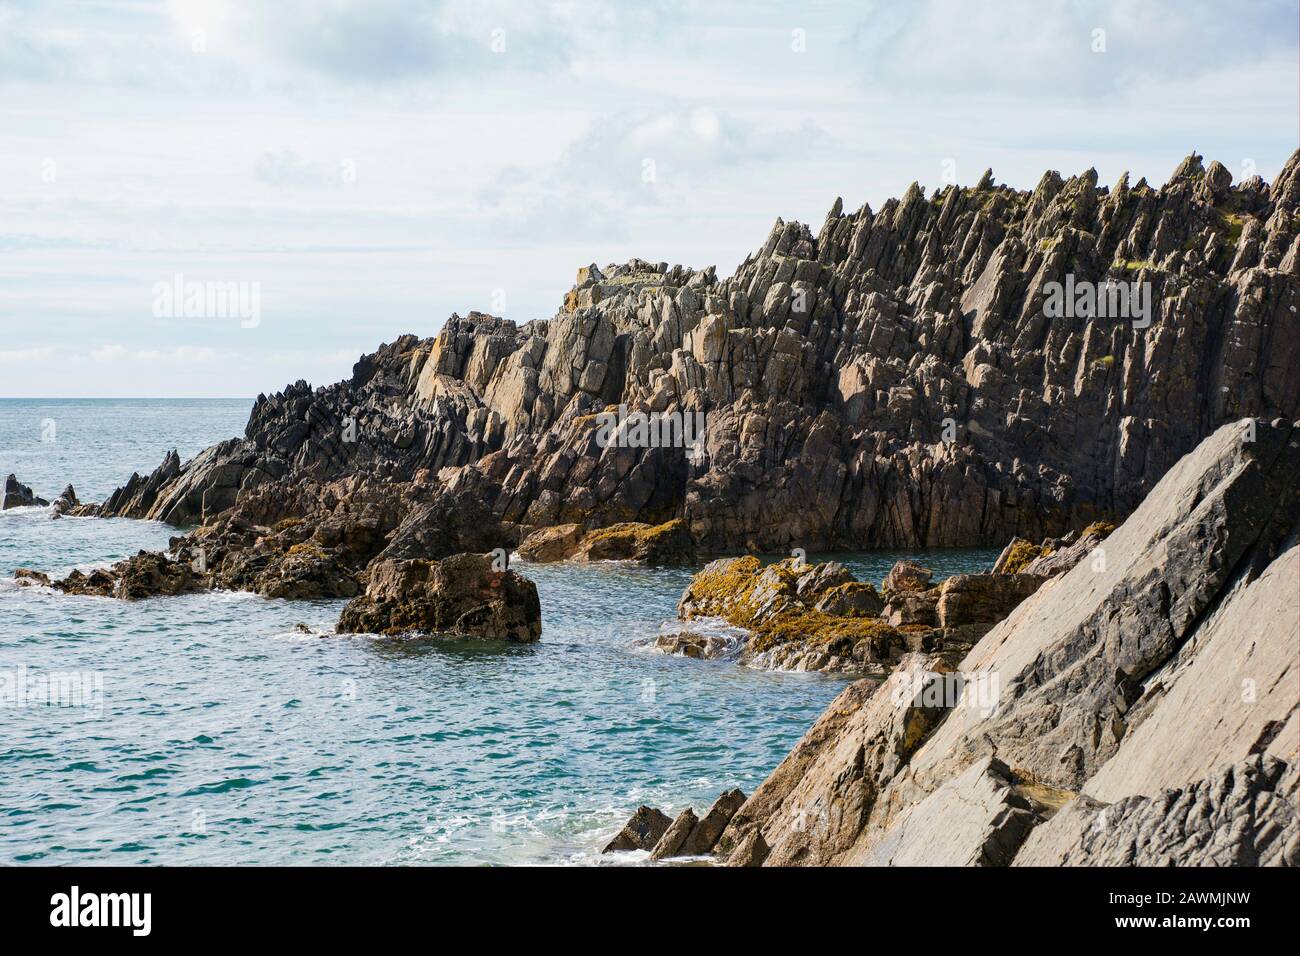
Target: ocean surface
column 209, row 729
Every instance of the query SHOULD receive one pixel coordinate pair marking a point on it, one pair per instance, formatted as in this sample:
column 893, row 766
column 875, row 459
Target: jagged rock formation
column 687, row 835
column 66, row 502
column 1245, row 815
column 463, row 595
column 1147, row 707
column 18, row 495
column 641, row 832
column 891, row 380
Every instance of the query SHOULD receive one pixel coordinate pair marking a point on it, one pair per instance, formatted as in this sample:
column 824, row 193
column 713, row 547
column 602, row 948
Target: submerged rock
column 463, row 595
column 690, row 644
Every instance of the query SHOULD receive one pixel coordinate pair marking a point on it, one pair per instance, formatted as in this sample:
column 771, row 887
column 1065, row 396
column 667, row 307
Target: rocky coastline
column 1139, row 708
column 892, row 381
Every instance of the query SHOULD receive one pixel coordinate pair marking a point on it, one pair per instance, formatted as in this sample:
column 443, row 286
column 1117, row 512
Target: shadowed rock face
column 1146, row 709
column 831, row 367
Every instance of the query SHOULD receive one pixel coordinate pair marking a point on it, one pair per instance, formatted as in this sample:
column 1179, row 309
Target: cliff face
column 1146, row 707
column 892, row 380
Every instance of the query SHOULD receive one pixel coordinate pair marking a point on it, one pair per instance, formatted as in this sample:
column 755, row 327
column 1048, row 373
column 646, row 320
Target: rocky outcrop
column 818, row 617
column 147, row 574
column 1151, row 687
column 976, row 819
column 641, row 832
column 66, row 502
column 463, row 595
column 907, row 576
column 666, row 544
column 687, row 835
column 670, row 844
column 1054, row 555
column 891, row 379
column 18, row 495
column 798, row 616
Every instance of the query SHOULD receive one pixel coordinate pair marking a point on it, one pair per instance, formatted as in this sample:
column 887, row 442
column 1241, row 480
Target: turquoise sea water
column 210, row 730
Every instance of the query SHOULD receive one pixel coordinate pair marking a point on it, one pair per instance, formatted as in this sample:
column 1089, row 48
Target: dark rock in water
column 462, row 595
column 670, row 844
column 147, row 574
column 18, row 495
column 641, row 832
column 688, row 835
column 26, row 577
column 65, row 503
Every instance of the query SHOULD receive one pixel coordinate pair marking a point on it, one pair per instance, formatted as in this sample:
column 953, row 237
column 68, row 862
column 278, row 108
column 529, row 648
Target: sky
column 359, row 170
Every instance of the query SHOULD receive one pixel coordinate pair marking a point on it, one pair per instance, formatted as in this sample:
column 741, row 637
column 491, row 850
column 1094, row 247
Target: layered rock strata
column 1145, row 708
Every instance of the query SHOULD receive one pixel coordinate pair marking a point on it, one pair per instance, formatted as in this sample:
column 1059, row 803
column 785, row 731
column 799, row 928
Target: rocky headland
column 898, row 379
column 890, row 380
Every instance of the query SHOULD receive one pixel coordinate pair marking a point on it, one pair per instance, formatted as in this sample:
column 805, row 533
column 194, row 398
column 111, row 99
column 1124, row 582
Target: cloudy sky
column 371, row 167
